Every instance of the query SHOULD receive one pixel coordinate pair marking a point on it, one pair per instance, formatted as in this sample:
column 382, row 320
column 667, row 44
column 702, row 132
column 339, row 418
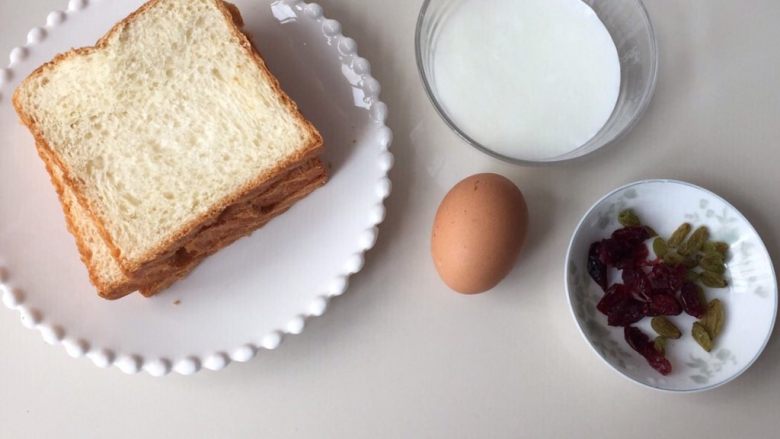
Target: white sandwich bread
column 166, row 141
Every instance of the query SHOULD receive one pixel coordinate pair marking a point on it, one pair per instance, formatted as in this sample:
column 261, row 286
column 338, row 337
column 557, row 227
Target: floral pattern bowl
column 750, row 300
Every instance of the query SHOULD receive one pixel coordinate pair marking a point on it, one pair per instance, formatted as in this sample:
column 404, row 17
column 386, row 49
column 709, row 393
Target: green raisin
column 691, row 262
column 701, row 336
column 714, row 318
column 673, row 258
column 679, row 235
column 695, row 242
column 700, row 293
column 660, row 248
column 722, row 248
column 660, row 344
column 716, row 247
column 628, row 218
column 692, row 276
column 713, row 257
column 713, row 266
column 663, row 327
column 713, row 280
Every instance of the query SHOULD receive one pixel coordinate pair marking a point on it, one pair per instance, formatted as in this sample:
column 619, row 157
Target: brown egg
column 478, row 232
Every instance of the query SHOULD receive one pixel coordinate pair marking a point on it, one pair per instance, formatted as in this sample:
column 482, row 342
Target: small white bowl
column 750, row 300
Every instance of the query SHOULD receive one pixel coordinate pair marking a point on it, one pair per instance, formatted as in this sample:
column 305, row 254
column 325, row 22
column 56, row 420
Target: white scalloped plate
column 246, row 297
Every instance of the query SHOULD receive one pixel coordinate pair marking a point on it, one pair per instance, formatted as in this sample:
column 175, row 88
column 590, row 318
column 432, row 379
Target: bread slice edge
column 149, row 290
column 114, row 289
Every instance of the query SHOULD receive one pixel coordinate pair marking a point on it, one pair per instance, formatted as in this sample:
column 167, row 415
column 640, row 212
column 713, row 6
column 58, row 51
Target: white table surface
column 399, row 356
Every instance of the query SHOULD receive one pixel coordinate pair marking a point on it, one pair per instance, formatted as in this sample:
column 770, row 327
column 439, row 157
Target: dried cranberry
column 663, row 292
column 632, row 276
column 632, row 234
column 636, row 280
column 657, row 361
column 640, row 253
column 621, row 307
column 613, row 252
column 622, row 253
column 667, row 277
column 659, row 276
column 596, row 268
column 615, row 296
column 629, row 313
column 679, row 274
column 640, row 342
column 635, row 338
column 664, row 305
column 692, row 299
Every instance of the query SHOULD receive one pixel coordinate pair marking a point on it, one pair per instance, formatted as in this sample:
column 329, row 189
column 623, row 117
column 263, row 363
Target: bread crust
column 233, row 234
column 138, row 267
column 236, row 216
column 104, row 289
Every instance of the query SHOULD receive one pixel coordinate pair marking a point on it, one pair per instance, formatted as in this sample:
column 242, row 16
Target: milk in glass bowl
column 537, row 81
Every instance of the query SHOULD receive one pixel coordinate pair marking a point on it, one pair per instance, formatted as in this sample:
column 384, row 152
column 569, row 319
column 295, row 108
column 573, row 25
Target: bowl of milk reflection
column 537, row 81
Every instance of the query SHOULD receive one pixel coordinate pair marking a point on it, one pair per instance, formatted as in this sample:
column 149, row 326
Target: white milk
column 529, row 79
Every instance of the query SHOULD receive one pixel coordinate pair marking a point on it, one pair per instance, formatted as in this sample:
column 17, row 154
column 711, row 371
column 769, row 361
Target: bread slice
column 106, row 274
column 281, row 187
column 231, row 234
column 171, row 118
column 239, row 215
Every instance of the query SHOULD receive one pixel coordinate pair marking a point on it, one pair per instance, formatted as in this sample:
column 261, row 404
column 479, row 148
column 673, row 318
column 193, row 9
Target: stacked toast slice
column 167, row 141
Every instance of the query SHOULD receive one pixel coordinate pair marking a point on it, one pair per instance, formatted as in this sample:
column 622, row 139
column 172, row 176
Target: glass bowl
column 630, row 27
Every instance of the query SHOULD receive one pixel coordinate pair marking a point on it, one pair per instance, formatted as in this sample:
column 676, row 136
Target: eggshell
column 479, row 229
